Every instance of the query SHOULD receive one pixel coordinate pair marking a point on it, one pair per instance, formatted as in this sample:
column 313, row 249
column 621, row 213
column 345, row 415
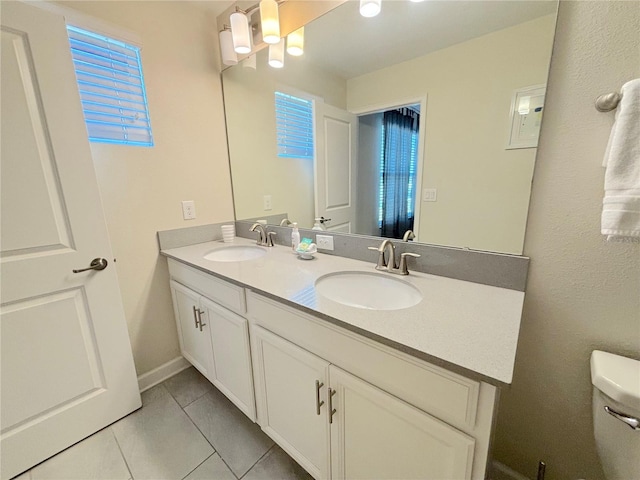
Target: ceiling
column 349, row 45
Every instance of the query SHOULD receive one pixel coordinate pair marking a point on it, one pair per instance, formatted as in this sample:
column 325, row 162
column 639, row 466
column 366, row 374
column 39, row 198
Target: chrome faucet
column 388, row 264
column 408, row 235
column 285, row 222
column 265, row 239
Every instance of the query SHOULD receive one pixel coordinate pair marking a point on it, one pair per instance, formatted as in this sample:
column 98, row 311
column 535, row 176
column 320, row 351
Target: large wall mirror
column 425, row 117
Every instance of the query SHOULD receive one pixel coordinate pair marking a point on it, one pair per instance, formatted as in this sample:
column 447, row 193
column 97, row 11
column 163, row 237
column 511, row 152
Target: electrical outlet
column 429, row 195
column 188, row 209
column 324, row 242
column 267, row 202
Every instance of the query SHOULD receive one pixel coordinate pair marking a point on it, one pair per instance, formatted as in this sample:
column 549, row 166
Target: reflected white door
column 67, row 366
column 335, row 166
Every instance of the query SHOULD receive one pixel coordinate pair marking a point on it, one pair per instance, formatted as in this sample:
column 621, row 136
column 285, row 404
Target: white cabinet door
column 290, row 402
column 66, row 363
column 193, row 329
column 376, row 435
column 231, row 356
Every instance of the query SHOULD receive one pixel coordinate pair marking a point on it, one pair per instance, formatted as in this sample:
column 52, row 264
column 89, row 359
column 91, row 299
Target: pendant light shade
column 270, row 21
column 370, row 8
column 276, row 54
column 295, row 42
column 229, row 56
column 240, row 32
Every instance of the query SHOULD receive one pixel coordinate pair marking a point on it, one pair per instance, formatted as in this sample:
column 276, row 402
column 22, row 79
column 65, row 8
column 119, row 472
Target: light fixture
column 370, row 8
column 270, row 21
column 229, row 55
column 295, row 42
column 240, row 32
column 276, row 54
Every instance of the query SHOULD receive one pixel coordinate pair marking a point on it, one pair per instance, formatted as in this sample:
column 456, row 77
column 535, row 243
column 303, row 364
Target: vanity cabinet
column 193, row 329
column 346, row 407
column 316, row 411
column 213, row 338
column 291, row 399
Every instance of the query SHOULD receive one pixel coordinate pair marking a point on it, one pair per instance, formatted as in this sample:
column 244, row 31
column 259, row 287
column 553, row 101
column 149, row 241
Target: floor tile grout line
column 198, row 466
column 126, row 464
column 257, row 461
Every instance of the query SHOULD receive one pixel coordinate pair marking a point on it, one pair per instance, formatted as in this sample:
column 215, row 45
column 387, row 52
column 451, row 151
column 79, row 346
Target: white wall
column 583, row 293
column 256, row 169
column 483, row 189
column 142, row 188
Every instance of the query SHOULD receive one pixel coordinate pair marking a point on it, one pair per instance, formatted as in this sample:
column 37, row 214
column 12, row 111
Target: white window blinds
column 114, row 101
column 294, row 125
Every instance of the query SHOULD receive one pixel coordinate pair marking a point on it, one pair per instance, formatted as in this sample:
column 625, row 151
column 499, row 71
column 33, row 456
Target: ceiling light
column 229, row 56
column 276, row 54
column 270, row 21
column 370, row 8
column 240, row 32
column 295, row 42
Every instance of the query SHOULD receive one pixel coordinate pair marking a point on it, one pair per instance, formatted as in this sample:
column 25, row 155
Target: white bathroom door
column 335, row 166
column 66, row 362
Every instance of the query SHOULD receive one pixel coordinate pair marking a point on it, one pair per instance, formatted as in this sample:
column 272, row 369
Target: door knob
column 96, row 264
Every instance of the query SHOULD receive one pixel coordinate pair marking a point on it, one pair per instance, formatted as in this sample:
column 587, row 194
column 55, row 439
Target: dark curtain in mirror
column 398, row 178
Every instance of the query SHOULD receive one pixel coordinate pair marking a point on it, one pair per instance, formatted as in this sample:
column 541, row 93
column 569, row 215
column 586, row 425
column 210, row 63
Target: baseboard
column 160, row 374
column 499, row 471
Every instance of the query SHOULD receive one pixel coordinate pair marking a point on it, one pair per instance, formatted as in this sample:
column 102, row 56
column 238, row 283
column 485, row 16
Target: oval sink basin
column 371, row 291
column 236, row 253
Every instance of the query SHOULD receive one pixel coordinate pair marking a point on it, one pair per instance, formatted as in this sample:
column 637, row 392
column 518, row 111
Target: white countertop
column 464, row 324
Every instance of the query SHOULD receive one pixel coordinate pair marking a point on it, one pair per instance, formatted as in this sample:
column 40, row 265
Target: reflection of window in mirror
column 389, row 147
column 294, row 126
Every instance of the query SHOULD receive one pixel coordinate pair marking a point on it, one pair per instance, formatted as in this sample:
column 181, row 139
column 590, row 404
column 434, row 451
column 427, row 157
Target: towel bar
column 608, row 102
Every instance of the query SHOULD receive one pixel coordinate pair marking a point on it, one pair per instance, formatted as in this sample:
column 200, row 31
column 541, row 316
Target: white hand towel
column 621, row 204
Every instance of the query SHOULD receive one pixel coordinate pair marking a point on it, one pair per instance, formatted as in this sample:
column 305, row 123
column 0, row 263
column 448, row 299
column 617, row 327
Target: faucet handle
column 270, row 236
column 381, row 263
column 403, row 262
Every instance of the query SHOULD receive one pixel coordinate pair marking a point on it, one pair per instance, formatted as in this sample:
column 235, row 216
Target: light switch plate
column 267, row 202
column 188, row 209
column 429, row 195
column 324, row 242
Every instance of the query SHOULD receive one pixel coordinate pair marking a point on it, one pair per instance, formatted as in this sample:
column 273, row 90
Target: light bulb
column 295, row 42
column 270, row 21
column 276, row 54
column 370, row 8
column 240, row 32
column 229, row 56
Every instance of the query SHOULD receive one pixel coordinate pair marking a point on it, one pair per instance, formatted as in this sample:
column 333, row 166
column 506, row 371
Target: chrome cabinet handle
column 632, row 422
column 319, row 402
column 200, row 312
column 96, row 264
column 332, row 410
column 195, row 315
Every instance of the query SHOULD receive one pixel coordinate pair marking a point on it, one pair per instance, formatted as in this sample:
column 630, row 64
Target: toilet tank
column 616, row 385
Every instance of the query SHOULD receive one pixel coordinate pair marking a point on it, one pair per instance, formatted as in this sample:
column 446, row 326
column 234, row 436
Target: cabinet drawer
column 446, row 395
column 224, row 293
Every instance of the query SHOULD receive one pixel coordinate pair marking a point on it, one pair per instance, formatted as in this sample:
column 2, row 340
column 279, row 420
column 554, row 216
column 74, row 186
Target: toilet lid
column 617, row 377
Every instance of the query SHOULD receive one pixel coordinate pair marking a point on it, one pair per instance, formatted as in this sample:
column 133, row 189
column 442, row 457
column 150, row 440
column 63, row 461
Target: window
column 397, row 166
column 294, row 126
column 111, row 85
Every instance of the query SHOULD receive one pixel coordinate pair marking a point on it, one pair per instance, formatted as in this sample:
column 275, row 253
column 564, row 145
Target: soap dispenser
column 295, row 236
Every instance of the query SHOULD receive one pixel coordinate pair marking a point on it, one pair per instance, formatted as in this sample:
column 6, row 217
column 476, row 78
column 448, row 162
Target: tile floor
column 186, row 429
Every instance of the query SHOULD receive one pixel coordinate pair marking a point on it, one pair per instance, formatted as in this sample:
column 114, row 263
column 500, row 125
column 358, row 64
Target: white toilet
column 616, row 414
